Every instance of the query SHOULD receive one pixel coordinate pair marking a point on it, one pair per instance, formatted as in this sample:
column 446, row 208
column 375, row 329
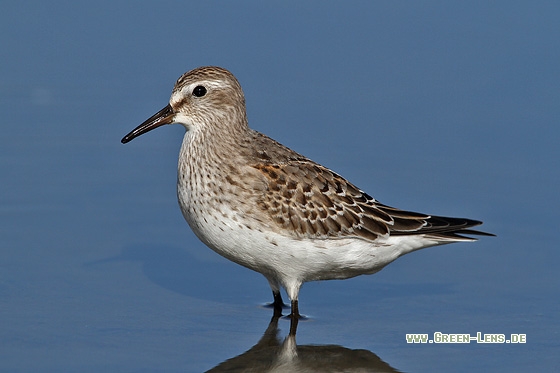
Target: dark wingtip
column 475, row 232
column 449, row 228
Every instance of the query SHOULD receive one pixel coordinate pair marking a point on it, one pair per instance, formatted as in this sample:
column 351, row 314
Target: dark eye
column 199, row 91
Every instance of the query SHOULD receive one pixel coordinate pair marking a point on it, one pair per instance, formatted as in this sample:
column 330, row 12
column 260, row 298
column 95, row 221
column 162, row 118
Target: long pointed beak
column 164, row 116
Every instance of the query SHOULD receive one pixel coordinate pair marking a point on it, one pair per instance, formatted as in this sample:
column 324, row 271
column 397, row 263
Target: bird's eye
column 199, row 91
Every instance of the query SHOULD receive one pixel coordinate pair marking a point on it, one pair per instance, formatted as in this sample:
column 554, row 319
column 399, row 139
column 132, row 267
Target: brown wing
column 314, row 202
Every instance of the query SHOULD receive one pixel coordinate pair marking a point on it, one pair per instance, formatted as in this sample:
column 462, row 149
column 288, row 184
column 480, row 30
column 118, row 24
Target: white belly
column 288, row 258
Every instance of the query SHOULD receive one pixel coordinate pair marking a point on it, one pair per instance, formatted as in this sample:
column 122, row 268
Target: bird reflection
column 271, row 354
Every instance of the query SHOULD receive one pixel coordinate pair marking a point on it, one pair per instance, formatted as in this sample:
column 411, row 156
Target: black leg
column 295, row 310
column 278, row 303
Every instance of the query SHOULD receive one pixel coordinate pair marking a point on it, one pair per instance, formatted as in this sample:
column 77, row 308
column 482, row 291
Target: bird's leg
column 293, row 291
column 278, row 303
column 294, row 318
column 295, row 310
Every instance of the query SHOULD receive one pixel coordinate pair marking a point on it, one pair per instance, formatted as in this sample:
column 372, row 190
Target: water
column 427, row 107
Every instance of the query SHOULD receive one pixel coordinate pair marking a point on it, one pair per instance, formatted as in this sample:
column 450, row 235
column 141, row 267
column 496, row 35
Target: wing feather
column 312, row 201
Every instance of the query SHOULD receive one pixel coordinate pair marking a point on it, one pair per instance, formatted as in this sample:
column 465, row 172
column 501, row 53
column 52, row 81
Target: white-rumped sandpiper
column 270, row 209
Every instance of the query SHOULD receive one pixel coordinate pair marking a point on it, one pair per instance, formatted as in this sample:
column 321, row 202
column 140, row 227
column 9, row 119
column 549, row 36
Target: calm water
column 434, row 108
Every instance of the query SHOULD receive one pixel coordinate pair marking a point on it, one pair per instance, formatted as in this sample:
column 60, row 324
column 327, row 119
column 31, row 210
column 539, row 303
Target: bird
column 266, row 207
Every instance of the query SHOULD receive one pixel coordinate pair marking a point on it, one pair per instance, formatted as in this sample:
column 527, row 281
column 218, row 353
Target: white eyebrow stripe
column 187, row 89
column 206, row 83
